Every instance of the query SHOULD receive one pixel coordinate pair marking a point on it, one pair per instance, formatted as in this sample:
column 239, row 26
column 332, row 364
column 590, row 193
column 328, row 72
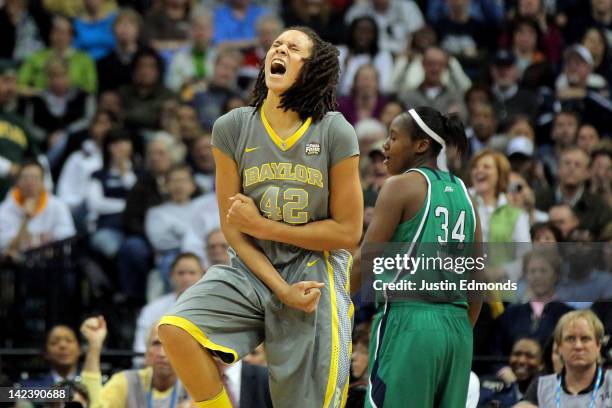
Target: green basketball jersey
column 288, row 179
column 447, row 216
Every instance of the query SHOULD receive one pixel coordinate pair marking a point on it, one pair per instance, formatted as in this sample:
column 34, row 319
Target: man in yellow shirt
column 155, row 386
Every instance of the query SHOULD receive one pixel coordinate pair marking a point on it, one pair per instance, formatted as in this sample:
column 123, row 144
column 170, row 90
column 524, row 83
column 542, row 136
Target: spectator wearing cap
column 571, row 190
column 33, row 77
column 578, row 73
column 30, row 215
column 510, row 99
column 115, row 69
column 521, row 153
column 432, row 92
column 580, row 90
column 17, row 143
column 397, row 20
column 195, row 62
column 578, row 339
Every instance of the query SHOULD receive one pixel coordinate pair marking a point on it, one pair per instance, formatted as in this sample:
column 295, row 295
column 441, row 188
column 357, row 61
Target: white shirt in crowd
column 204, row 218
column 98, row 204
column 52, row 223
column 166, row 225
column 234, row 380
column 150, row 314
column 400, row 19
column 76, row 174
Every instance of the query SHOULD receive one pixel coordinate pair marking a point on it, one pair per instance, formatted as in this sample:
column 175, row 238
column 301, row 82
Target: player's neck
column 423, row 162
column 283, row 122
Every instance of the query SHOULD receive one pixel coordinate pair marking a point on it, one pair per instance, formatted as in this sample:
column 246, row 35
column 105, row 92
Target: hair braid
column 314, row 92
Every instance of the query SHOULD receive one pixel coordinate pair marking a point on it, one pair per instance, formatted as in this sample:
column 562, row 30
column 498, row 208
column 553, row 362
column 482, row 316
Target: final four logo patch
column 313, row 149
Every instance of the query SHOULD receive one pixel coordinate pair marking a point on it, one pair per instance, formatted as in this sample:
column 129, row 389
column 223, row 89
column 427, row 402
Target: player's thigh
column 309, row 353
column 223, row 311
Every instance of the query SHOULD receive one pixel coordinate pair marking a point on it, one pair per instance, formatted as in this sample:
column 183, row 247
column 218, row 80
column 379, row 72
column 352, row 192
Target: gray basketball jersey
column 287, row 179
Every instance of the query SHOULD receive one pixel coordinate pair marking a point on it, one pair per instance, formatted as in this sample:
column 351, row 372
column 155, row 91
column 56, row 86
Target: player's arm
column 342, row 230
column 475, row 305
column 304, row 297
column 388, row 213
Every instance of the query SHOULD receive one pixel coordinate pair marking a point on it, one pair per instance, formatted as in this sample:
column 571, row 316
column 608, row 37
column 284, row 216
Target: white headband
column 426, row 128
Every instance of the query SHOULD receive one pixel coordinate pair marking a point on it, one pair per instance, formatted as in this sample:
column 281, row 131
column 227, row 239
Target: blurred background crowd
column 107, row 178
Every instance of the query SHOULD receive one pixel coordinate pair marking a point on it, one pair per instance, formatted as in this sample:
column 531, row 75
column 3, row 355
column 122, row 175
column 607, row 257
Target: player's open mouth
column 277, row 67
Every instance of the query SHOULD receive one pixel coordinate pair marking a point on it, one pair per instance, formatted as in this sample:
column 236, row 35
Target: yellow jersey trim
column 332, row 380
column 287, row 144
column 198, row 335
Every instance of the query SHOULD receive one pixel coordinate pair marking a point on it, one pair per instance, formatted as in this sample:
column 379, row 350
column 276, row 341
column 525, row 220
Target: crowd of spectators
column 106, row 112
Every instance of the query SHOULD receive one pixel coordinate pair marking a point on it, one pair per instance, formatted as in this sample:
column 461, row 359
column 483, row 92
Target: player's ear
column 422, row 145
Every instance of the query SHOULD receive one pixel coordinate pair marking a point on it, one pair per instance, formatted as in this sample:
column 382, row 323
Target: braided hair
column 314, row 92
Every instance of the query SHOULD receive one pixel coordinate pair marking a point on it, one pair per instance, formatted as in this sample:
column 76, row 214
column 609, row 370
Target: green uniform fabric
column 81, row 70
column 421, row 352
column 230, row 311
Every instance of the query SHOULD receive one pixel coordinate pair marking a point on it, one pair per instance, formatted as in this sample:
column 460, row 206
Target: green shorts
column 230, row 312
column 420, row 356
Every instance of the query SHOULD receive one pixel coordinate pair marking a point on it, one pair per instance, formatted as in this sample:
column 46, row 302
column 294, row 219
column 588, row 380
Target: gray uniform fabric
column 308, row 354
column 547, row 386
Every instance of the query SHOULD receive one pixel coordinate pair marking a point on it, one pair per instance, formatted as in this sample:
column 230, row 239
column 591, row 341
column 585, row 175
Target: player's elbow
column 350, row 238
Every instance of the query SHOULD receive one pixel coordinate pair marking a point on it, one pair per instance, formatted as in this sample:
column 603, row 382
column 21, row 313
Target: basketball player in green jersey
column 420, row 351
column 290, row 199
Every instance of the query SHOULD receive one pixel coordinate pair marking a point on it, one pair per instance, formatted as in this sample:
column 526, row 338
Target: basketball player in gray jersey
column 290, row 204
